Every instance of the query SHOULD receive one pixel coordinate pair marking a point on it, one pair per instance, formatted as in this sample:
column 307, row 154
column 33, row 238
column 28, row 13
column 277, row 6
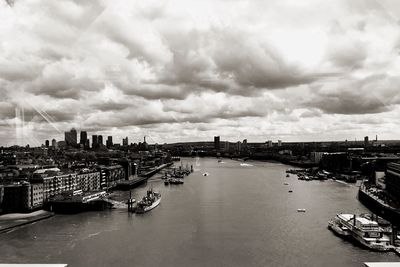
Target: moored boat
column 175, row 181
column 365, row 231
column 149, row 202
column 337, row 227
column 370, row 198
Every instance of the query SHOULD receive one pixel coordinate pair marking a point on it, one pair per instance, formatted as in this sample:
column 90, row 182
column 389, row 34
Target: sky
column 189, row 70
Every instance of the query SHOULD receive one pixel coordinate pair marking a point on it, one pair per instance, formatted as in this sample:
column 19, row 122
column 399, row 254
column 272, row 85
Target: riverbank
column 236, row 216
column 13, row 220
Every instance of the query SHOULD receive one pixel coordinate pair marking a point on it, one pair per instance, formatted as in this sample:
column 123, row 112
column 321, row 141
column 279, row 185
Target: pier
column 141, row 178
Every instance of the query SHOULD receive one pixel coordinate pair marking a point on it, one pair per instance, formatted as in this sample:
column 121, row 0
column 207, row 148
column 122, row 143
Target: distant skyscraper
column 366, row 141
column 125, row 141
column 279, row 142
column 269, row 143
column 94, row 141
column 54, row 143
column 217, row 144
column 71, row 137
column 100, row 140
column 109, row 142
column 83, row 138
column 47, row 143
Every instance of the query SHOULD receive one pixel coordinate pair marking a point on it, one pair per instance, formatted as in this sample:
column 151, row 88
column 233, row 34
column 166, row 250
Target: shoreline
column 7, row 222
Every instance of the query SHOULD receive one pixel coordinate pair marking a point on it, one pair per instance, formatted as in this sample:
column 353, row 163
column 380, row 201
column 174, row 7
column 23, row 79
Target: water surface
column 238, row 215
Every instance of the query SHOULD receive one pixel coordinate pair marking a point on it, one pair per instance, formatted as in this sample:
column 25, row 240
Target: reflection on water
column 235, row 216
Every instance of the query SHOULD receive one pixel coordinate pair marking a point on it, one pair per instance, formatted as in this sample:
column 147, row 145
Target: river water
column 238, row 215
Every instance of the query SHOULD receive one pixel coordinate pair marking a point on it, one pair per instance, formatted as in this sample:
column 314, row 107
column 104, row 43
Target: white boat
column 301, row 210
column 339, row 228
column 149, row 202
column 365, row 231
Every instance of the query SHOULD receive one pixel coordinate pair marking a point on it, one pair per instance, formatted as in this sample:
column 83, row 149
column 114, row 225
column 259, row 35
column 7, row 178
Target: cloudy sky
column 188, row 70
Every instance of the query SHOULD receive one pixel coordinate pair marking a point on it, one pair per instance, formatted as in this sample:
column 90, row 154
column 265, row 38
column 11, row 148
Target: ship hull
column 386, row 212
column 149, row 208
column 65, row 207
column 338, row 231
column 374, row 247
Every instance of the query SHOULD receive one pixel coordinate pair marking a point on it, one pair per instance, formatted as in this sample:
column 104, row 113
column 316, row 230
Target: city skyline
column 96, row 140
column 188, row 71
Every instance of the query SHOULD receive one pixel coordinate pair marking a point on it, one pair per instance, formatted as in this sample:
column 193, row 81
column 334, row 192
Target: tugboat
column 149, row 202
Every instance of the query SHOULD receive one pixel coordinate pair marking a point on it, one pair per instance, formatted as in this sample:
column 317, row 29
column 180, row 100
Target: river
column 238, row 215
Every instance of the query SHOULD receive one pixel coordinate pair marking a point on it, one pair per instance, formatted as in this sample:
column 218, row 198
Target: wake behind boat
column 149, row 202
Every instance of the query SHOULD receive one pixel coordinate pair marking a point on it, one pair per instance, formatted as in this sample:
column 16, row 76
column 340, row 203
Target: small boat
column 287, row 175
column 175, row 181
column 301, row 210
column 166, row 182
column 290, row 191
column 205, row 174
column 286, row 184
column 337, row 227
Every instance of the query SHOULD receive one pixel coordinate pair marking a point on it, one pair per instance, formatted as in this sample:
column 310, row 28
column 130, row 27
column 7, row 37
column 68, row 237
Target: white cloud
column 276, row 68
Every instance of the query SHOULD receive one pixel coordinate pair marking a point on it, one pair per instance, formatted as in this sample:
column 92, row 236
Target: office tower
column 54, row 143
column 100, row 140
column 217, row 144
column 83, row 138
column 109, row 142
column 125, row 141
column 94, row 141
column 71, row 137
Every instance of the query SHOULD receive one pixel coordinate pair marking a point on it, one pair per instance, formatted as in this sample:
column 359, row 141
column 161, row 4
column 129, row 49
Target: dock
column 143, row 177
